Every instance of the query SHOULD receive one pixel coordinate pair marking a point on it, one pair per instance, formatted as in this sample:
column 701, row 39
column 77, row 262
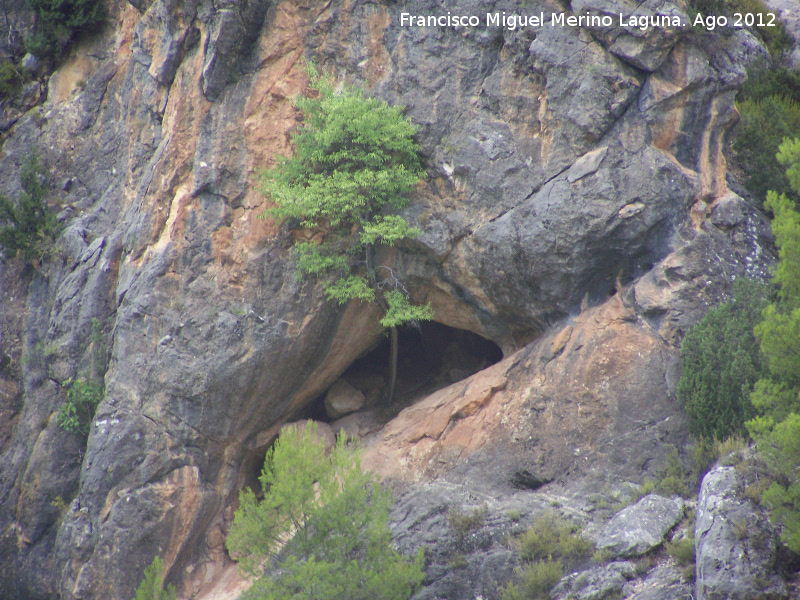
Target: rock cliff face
column 576, row 213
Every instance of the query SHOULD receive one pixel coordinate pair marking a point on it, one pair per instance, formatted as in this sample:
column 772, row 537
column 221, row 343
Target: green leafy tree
column 777, row 397
column 354, row 166
column 27, row 227
column 152, row 586
column 325, row 522
column 60, row 22
column 720, row 363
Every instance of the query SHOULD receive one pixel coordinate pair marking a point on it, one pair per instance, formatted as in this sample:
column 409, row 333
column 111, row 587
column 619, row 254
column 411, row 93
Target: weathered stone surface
column 726, row 211
column 789, row 13
column 594, row 584
column 643, row 47
column 638, row 529
column 214, row 343
column 342, row 399
column 664, row 582
column 735, row 543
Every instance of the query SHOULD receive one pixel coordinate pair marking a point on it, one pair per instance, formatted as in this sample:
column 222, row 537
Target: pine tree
column 152, row 586
column 720, row 362
column 777, row 397
column 354, row 166
column 325, row 522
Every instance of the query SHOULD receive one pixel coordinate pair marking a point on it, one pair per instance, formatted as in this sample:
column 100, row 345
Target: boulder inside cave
column 430, row 357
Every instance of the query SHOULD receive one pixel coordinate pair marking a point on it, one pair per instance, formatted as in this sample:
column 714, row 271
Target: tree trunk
column 392, row 330
column 392, row 363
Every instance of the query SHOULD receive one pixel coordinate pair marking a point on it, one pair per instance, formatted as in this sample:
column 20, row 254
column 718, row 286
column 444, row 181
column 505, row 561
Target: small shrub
column 703, row 458
column 755, row 491
column 741, row 528
column 58, row 503
column 552, row 537
column 513, row 515
column 27, row 227
column 643, row 565
column 682, row 550
column 152, row 586
column 10, row 78
column 602, row 556
column 83, row 397
column 648, row 486
column 674, row 480
column 534, row 580
column 729, row 452
column 463, row 523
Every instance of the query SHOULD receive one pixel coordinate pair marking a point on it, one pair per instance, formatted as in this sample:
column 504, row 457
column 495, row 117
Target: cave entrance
column 430, row 357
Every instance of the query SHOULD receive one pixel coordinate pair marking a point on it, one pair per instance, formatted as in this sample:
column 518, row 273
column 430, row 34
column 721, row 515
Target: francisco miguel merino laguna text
column 512, row 21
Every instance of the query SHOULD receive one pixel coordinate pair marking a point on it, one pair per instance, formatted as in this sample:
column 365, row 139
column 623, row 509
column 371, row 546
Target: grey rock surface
column 735, row 543
column 594, row 584
column 664, row 582
column 558, row 172
column 641, row 527
column 342, row 399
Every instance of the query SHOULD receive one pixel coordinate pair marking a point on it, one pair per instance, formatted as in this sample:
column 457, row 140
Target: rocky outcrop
column 599, row 582
column 567, row 215
column 736, row 550
column 640, row 528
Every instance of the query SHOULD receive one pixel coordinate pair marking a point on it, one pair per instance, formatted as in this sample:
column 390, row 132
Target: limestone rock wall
column 568, row 215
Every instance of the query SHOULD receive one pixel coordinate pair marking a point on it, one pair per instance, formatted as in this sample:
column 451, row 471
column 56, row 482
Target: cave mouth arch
column 430, row 357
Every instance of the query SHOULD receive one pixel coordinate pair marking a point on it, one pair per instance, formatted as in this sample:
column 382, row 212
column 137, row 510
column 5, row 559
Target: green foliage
column 83, row 397
column 720, row 363
column 781, row 446
column 60, row 22
column 28, row 226
column 152, row 586
column 682, row 550
column 777, row 427
column 355, row 163
column 463, row 523
column 534, row 581
column 764, row 124
column 10, row 78
column 767, row 79
column 552, row 537
column 674, row 480
column 325, row 521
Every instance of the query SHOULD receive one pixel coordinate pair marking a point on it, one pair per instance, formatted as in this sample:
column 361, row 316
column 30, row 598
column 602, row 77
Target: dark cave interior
column 430, row 357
